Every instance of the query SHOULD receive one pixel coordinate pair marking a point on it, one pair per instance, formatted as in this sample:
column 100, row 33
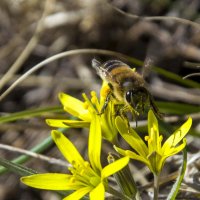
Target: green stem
column 156, row 186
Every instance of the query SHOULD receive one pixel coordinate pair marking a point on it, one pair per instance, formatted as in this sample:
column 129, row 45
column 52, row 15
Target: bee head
column 136, row 97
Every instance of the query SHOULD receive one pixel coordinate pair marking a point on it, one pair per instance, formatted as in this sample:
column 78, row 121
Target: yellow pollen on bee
column 133, row 69
column 104, row 91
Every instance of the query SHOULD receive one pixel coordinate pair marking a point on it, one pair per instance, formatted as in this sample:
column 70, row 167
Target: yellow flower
column 86, row 177
column 154, row 153
column 80, row 110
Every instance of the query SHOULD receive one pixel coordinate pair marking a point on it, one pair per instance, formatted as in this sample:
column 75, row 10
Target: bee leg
column 136, row 119
column 155, row 108
column 105, row 103
column 143, row 104
column 122, row 113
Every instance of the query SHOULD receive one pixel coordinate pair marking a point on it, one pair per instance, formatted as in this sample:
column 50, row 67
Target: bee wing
column 149, row 61
column 101, row 71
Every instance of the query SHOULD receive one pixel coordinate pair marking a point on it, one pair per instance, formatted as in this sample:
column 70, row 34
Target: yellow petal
column 174, row 150
column 74, row 106
column 62, row 123
column 98, row 192
column 153, row 131
column 120, row 151
column 132, row 155
column 66, row 147
column 114, row 167
column 78, row 194
column 56, row 123
column 94, row 149
column 49, row 181
column 131, row 137
column 177, row 136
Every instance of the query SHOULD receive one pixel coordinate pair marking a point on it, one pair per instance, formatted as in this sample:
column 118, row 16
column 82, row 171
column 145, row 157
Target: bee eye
column 129, row 96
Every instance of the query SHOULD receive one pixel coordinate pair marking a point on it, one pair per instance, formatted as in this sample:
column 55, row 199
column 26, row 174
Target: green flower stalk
column 79, row 109
column 153, row 154
column 86, row 177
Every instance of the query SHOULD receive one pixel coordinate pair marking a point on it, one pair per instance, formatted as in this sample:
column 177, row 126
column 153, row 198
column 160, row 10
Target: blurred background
column 33, row 30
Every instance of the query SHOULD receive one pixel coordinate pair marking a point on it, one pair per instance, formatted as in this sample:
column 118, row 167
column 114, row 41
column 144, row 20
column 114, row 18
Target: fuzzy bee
column 127, row 87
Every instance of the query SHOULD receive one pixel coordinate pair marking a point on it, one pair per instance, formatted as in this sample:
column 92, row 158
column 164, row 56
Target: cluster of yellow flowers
column 89, row 176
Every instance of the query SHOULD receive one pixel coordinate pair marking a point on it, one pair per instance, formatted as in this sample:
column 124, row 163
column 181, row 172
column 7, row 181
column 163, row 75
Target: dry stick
column 190, row 75
column 56, row 57
column 159, row 18
column 35, row 155
column 29, row 48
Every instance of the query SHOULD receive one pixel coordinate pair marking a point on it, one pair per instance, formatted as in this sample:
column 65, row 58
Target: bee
column 126, row 87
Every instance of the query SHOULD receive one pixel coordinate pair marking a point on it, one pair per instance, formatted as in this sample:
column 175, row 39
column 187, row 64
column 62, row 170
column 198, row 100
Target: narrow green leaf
column 37, row 149
column 174, row 191
column 177, row 108
column 29, row 113
column 16, row 168
column 165, row 73
column 175, row 77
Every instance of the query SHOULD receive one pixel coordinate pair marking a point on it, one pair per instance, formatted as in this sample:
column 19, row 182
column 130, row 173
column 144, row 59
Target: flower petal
column 131, row 137
column 74, row 106
column 78, row 194
column 98, row 193
column 56, row 123
column 132, row 155
column 68, row 150
column 49, row 181
column 62, row 123
column 154, row 142
column 177, row 136
column 114, row 167
column 94, row 148
column 174, row 150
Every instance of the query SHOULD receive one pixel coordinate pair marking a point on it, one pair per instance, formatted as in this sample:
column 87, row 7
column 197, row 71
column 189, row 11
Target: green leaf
column 175, row 77
column 177, row 108
column 168, row 74
column 174, row 191
column 16, row 168
column 37, row 149
column 29, row 113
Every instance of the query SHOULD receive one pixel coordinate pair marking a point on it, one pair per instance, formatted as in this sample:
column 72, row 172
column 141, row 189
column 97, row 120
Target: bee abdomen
column 113, row 64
